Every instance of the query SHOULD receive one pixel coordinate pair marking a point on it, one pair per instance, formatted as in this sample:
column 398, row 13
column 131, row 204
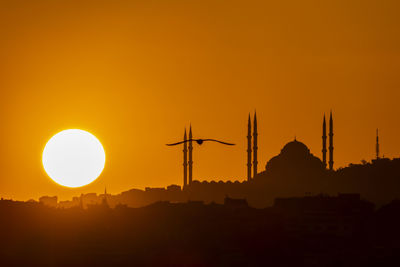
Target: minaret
column 324, row 142
column 249, row 149
column 255, row 148
column 377, row 144
column 330, row 142
column 190, row 156
column 185, row 163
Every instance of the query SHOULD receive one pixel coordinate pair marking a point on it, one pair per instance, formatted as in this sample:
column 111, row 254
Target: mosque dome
column 295, row 148
column 294, row 156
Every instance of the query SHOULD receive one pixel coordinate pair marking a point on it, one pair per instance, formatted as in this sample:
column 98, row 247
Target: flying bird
column 201, row 141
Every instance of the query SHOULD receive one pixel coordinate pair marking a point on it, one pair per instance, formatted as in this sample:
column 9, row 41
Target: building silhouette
column 185, row 163
column 249, row 149
column 190, row 156
column 294, row 159
column 377, row 144
column 324, row 141
column 330, row 142
column 255, row 146
column 324, row 137
column 252, row 137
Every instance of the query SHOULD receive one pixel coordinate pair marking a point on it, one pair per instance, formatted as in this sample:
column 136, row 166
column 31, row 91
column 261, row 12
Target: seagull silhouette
column 201, row 141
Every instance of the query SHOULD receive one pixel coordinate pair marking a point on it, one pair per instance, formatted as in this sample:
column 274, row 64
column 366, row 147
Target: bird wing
column 214, row 140
column 178, row 143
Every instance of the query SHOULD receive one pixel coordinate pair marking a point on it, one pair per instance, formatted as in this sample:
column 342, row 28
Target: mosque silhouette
column 295, row 171
column 294, row 154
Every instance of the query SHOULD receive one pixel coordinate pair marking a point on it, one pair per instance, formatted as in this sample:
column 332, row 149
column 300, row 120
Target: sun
column 73, row 158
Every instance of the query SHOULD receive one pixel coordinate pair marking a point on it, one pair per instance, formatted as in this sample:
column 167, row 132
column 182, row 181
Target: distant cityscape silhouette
column 298, row 211
column 294, row 172
column 316, row 230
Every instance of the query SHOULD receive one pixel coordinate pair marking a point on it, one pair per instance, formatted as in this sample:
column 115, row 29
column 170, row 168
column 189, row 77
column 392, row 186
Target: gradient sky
column 135, row 73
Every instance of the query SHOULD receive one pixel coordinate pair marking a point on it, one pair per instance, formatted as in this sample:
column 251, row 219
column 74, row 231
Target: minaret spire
column 255, row 147
column 249, row 149
column 324, row 141
column 185, row 162
column 377, row 144
column 190, row 156
column 330, row 142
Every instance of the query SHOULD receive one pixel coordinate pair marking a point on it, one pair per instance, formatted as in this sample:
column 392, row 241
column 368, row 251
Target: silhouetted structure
column 249, row 149
column 190, row 156
column 255, row 146
column 185, row 163
column 377, row 144
column 324, row 141
column 252, row 137
column 330, row 142
column 295, row 160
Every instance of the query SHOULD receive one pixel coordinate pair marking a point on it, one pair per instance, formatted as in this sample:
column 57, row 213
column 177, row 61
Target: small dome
column 295, row 148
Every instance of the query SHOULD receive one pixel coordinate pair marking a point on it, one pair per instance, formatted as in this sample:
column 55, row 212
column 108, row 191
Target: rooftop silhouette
column 325, row 230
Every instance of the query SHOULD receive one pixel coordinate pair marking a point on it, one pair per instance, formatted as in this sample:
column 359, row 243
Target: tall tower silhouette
column 185, row 163
column 255, row 147
column 190, row 156
column 377, row 144
column 324, row 141
column 249, row 149
column 330, row 142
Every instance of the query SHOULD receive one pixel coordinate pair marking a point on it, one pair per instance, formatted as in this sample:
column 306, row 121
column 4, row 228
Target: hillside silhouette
column 322, row 230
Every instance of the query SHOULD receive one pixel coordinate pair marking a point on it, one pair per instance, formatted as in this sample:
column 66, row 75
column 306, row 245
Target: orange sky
column 135, row 73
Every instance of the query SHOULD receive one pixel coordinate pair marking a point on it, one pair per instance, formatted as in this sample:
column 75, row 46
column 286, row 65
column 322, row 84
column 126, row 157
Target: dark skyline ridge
column 252, row 151
column 295, row 172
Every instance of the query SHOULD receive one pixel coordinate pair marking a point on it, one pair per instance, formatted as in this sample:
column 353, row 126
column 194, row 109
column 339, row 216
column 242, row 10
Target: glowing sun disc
column 73, row 158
